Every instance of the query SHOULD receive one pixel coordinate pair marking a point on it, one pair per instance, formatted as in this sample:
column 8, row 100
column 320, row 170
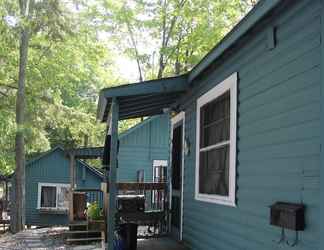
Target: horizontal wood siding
column 148, row 142
column 52, row 168
column 278, row 135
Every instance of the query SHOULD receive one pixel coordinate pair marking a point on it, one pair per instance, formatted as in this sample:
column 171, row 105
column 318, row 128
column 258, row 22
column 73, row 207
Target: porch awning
column 143, row 98
column 88, row 152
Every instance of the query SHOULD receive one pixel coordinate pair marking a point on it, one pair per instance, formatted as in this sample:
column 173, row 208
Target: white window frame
column 229, row 84
column 57, row 185
column 159, row 163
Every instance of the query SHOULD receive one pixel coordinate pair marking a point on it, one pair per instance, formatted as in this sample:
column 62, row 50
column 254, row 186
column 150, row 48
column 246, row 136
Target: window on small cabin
column 63, row 198
column 53, row 196
column 216, row 144
column 160, row 174
column 140, row 175
column 160, row 170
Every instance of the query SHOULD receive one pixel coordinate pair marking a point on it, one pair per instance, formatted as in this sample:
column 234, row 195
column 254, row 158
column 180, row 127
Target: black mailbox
column 288, row 216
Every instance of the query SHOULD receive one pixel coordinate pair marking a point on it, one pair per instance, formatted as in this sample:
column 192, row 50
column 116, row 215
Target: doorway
column 177, row 169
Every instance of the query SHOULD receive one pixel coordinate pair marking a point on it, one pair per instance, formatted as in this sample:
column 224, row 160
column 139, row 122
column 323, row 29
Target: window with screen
column 48, row 197
column 216, row 143
column 53, row 196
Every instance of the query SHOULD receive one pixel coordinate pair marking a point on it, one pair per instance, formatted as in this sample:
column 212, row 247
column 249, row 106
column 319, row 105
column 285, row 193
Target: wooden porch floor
column 163, row 243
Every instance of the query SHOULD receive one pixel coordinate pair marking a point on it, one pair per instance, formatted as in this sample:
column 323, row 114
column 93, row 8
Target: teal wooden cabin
column 47, row 184
column 141, row 148
column 247, row 131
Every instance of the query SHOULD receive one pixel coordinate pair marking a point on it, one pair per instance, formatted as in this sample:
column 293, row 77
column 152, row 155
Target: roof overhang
column 143, row 98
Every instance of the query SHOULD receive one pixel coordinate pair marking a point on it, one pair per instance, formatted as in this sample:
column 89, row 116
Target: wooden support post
column 72, row 184
column 112, row 173
column 7, row 196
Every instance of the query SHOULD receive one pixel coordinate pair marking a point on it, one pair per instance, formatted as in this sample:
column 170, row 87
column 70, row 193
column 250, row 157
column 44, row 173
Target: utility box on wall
column 288, row 215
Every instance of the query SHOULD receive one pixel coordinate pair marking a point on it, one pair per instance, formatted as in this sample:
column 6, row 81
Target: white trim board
column 174, row 122
column 229, row 83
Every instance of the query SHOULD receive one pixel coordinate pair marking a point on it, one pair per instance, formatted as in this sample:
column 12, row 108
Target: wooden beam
column 113, row 173
column 135, row 186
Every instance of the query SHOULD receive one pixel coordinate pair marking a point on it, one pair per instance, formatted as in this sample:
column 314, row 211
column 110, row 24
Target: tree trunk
column 20, row 121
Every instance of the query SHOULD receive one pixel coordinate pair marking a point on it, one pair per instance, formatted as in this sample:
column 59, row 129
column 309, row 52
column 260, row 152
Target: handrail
column 134, row 186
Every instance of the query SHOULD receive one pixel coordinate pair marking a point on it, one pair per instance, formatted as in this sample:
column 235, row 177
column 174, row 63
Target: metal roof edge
column 165, row 85
column 44, row 154
column 257, row 13
column 92, row 169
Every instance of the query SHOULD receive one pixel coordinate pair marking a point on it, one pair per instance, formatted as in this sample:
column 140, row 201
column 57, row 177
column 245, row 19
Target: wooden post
column 112, row 173
column 7, row 194
column 72, row 184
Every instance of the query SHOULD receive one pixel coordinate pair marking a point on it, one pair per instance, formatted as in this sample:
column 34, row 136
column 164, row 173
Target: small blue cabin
column 144, row 150
column 47, row 186
column 247, row 132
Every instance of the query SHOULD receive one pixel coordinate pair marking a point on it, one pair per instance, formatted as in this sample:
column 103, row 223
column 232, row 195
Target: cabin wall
column 141, row 145
column 278, row 136
column 52, row 168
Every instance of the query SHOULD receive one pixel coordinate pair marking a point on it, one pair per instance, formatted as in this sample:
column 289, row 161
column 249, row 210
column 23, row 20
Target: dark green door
column 176, row 169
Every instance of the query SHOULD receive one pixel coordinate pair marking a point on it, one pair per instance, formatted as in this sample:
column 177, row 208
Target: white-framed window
column 216, row 143
column 160, row 170
column 53, row 196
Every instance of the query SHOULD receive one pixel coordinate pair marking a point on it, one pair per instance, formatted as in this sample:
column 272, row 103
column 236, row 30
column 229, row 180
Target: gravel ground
column 40, row 239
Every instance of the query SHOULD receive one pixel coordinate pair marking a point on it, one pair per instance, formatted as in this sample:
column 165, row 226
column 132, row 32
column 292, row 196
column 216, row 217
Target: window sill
column 215, row 199
column 52, row 211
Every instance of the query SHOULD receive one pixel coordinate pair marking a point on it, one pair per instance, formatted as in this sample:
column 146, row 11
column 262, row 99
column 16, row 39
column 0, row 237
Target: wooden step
column 84, row 239
column 82, row 232
column 78, row 223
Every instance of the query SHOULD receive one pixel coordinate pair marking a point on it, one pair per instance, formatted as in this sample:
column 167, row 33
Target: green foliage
column 94, row 212
column 67, row 66
column 72, row 54
column 179, row 32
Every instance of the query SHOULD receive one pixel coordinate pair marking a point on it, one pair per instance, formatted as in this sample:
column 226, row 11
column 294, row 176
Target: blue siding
column 141, row 145
column 278, row 134
column 52, row 168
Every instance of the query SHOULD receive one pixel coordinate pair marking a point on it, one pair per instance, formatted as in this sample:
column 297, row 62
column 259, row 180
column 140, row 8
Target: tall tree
column 25, row 12
column 64, row 74
column 178, row 32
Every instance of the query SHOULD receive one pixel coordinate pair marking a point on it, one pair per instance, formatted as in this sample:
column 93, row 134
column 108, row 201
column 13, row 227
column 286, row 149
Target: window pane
column 215, row 121
column 216, row 132
column 63, row 197
column 48, row 197
column 214, row 171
